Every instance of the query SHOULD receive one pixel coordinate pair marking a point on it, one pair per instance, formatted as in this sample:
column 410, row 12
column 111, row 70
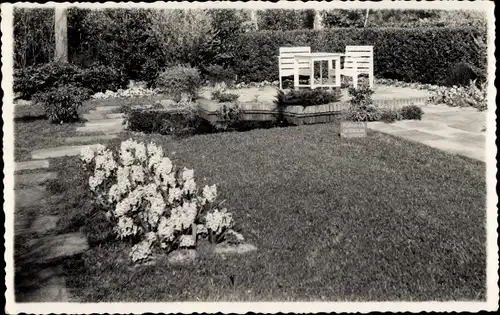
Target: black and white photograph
column 250, row 156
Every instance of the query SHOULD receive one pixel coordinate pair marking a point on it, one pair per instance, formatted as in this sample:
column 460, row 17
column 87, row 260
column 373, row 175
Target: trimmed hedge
column 422, row 55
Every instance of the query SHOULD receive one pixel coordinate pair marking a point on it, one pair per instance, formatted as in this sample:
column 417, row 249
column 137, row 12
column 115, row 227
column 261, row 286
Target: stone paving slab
column 417, row 135
column 455, row 147
column 50, row 286
column 107, row 108
column 110, row 129
column 50, row 248
column 44, row 224
column 384, row 127
column 32, row 196
column 96, row 138
column 31, row 165
column 34, row 179
column 115, row 115
column 59, row 151
column 105, row 122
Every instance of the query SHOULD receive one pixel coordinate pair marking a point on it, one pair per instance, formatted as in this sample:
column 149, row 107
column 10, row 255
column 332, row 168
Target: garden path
column 44, row 249
column 455, row 130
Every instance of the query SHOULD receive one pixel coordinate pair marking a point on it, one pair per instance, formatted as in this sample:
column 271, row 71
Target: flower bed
column 151, row 203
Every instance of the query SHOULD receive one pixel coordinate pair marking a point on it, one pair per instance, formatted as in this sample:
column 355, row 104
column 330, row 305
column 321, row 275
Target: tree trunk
column 318, row 20
column 253, row 18
column 61, row 34
column 366, row 18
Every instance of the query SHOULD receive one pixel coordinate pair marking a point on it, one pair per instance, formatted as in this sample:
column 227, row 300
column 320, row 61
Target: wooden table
column 312, row 58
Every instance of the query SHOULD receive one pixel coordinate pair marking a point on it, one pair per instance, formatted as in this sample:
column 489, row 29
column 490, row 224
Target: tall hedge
column 422, row 55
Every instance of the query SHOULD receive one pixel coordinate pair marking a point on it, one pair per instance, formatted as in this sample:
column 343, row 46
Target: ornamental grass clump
column 150, row 202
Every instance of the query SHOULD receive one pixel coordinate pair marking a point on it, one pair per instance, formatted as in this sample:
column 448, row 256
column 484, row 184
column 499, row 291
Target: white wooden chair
column 286, row 62
column 358, row 60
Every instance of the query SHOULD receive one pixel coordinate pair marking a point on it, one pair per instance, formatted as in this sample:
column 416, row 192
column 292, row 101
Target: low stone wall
column 298, row 115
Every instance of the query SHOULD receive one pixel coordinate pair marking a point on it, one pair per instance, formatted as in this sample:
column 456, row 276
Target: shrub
column 390, row 115
column 43, row 77
column 178, row 81
column 412, row 112
column 217, row 74
column 361, row 96
column 460, row 74
column 61, row 104
column 100, row 78
column 306, row 97
column 224, row 97
column 405, row 54
column 220, row 95
column 362, row 107
column 229, row 116
column 180, row 121
column 151, row 202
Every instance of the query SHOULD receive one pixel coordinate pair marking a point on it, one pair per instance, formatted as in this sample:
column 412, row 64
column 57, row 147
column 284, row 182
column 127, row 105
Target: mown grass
column 364, row 219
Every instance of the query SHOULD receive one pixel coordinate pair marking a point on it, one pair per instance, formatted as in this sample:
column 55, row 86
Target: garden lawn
column 333, row 219
column 33, row 130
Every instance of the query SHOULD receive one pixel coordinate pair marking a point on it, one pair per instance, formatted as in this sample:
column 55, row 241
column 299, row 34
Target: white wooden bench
column 358, row 60
column 286, row 61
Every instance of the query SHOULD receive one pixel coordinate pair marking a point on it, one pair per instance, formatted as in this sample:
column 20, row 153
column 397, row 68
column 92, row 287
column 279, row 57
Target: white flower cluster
column 127, row 93
column 461, row 96
column 256, row 84
column 147, row 197
column 218, row 220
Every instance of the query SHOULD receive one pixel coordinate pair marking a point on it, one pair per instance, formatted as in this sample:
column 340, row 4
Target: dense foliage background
column 140, row 43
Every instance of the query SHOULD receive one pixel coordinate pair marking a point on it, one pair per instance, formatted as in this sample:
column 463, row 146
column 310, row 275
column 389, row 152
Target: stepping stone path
column 44, row 224
column 34, row 179
column 59, row 151
column 50, row 248
column 47, row 283
column 103, row 120
column 32, row 196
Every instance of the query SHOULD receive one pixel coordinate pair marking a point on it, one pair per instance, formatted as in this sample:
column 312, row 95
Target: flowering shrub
column 150, row 202
column 457, row 96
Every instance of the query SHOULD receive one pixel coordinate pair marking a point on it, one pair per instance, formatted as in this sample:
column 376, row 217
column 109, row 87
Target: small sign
column 353, row 129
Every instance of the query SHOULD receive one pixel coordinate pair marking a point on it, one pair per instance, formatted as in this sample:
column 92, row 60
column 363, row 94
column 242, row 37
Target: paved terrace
column 454, row 130
column 268, row 93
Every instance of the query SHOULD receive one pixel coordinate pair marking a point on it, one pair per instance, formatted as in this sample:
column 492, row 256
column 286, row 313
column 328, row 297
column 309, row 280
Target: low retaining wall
column 267, row 112
column 296, row 115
